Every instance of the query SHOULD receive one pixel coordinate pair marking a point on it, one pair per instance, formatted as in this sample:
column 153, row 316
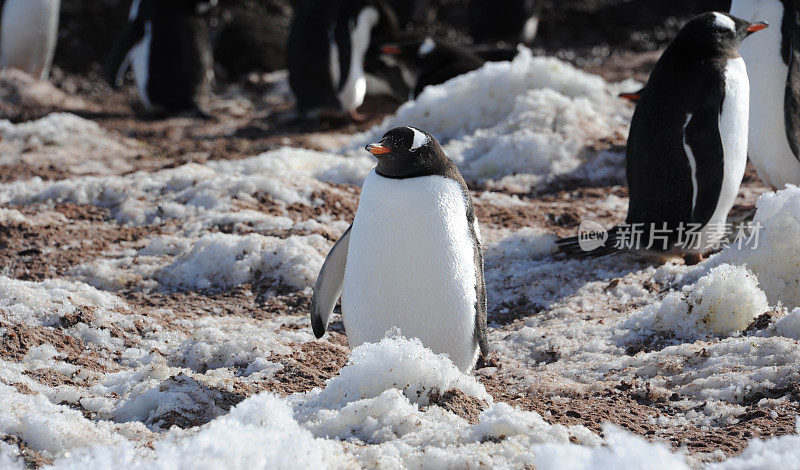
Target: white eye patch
column 724, row 22
column 427, row 47
column 420, row 139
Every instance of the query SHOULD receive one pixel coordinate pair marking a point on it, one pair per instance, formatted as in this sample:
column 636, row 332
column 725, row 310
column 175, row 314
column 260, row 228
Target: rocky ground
column 119, row 264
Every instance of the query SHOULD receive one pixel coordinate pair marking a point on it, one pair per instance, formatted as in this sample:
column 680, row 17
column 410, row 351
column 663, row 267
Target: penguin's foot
column 692, row 259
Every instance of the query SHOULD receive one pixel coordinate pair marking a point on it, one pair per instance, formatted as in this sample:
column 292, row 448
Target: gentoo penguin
column 504, row 20
column 28, row 35
column 773, row 63
column 429, row 61
column 167, row 44
column 687, row 147
column 328, row 43
column 412, row 258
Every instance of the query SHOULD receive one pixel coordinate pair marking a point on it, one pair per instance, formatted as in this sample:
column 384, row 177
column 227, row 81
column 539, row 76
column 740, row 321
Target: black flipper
column 329, row 285
column 571, row 246
column 118, row 61
column 703, row 139
column 480, row 288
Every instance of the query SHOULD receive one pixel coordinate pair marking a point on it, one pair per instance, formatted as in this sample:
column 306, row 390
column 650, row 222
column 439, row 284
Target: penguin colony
column 412, row 258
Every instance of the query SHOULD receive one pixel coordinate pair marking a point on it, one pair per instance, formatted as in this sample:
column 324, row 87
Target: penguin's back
column 411, row 264
column 180, row 62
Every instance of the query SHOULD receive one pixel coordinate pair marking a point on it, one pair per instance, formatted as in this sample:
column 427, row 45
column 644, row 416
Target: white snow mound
column 397, row 363
column 534, row 115
column 776, row 259
column 724, row 302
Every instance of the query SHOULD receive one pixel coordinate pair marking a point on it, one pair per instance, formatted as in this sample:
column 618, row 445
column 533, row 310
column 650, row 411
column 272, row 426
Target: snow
column 222, row 260
column 131, row 362
column 776, row 259
column 404, row 364
column 63, row 139
column 724, row 302
column 534, row 116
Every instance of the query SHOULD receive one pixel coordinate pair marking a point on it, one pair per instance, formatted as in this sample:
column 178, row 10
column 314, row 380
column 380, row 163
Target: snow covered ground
column 159, row 318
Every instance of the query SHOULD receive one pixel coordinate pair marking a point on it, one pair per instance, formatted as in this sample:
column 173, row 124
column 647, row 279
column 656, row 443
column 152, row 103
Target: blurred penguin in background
column 28, row 34
column 504, row 20
column 427, row 61
column 168, row 46
column 328, row 46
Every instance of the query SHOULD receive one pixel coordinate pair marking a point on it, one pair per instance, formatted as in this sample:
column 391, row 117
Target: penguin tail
column 579, row 247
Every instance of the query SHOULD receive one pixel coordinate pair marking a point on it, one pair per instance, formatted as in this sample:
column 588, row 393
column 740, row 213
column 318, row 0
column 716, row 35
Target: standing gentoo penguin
column 28, row 35
column 167, row 44
column 412, row 258
column 428, row 61
column 687, row 148
column 773, row 63
column 328, row 43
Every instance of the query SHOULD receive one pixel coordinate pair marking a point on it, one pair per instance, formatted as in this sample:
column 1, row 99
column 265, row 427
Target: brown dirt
column 19, row 339
column 32, row 458
column 310, row 366
column 636, row 412
column 42, row 252
column 461, row 404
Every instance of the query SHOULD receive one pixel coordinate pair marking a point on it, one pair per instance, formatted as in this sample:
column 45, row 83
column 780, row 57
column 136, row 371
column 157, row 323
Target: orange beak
column 757, row 27
column 378, row 149
column 391, row 50
column 631, row 96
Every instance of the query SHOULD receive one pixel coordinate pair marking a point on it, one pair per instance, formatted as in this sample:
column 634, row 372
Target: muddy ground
column 616, row 39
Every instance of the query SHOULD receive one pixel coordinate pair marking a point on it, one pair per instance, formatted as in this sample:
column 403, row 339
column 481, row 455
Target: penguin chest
column 733, row 124
column 140, row 62
column 351, row 94
column 411, row 265
column 28, row 35
column 768, row 145
column 733, row 131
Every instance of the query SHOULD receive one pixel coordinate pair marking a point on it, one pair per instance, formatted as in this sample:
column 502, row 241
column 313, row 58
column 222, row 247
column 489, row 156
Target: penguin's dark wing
column 706, row 157
column 118, row 61
column 791, row 112
column 329, row 285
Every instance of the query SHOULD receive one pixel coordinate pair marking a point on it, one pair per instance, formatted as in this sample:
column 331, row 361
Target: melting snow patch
column 66, row 140
column 534, row 116
column 776, row 260
column 221, row 260
column 724, row 302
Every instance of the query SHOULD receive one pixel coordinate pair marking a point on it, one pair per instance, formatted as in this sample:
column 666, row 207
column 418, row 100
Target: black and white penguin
column 328, row 43
column 504, row 20
column 168, row 46
column 429, row 61
column 28, row 35
column 412, row 258
column 773, row 63
column 687, row 148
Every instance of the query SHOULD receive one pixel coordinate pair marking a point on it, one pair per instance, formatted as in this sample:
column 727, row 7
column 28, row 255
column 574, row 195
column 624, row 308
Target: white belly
column 769, row 148
column 140, row 62
column 28, row 35
column 355, row 88
column 733, row 131
column 411, row 265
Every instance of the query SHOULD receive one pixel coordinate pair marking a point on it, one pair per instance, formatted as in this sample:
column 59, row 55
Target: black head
column 716, row 31
column 407, row 152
